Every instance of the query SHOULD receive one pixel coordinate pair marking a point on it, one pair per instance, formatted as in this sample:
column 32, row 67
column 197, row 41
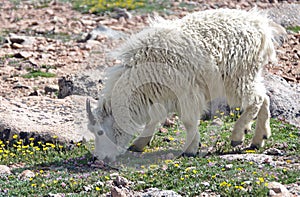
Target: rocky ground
column 75, row 46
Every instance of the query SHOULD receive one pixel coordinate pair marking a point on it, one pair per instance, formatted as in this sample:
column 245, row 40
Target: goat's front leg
column 242, row 124
column 262, row 129
column 144, row 138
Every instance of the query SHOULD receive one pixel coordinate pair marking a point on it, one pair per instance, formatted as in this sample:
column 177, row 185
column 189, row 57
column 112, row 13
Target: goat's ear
column 90, row 115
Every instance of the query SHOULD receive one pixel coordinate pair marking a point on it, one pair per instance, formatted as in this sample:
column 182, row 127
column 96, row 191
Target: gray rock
column 277, row 189
column 284, row 99
column 104, row 31
column 154, row 192
column 51, row 88
column 286, row 15
column 87, row 83
column 65, row 86
column 19, row 40
column 121, row 12
column 121, row 181
column 42, row 118
column 273, row 151
column 257, row 158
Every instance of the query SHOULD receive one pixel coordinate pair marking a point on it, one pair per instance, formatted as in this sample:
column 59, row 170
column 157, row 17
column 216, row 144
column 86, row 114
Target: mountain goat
column 179, row 66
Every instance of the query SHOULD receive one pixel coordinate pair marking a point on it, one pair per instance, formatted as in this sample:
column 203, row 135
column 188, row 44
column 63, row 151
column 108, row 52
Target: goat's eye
column 100, row 132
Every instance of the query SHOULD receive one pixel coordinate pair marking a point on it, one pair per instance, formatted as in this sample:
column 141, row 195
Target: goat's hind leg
column 243, row 123
column 262, row 129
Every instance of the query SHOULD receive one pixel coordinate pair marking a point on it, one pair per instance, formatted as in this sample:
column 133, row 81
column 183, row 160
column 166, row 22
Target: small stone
column 169, row 122
column 51, row 88
column 121, row 181
column 163, row 130
column 20, row 86
column 87, row 22
column 87, row 188
column 119, row 192
column 50, row 12
column 158, row 192
column 113, row 175
column 56, row 195
column 26, row 174
column 217, row 122
column 13, row 38
column 25, row 54
column 273, row 151
column 90, row 44
column 228, row 166
column 204, row 194
column 278, row 189
column 16, row 46
column 205, row 184
column 34, row 93
column 170, row 156
column 6, row 45
column 4, row 169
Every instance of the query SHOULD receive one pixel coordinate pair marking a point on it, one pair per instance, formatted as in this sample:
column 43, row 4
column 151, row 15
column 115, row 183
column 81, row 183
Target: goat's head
column 102, row 125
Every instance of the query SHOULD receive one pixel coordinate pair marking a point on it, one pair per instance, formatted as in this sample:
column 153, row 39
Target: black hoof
column 235, row 143
column 253, row 147
column 246, row 131
column 188, row 155
column 133, row 148
column 265, row 137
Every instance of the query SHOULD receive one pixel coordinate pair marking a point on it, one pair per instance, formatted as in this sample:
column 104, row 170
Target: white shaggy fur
column 179, row 66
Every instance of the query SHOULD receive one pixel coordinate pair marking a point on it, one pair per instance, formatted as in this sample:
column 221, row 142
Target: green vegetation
column 295, row 29
column 94, row 6
column 61, row 169
column 38, row 73
column 144, row 6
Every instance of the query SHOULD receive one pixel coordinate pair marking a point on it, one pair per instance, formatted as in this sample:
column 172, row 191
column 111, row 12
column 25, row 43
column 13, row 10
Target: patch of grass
column 295, row 29
column 38, row 73
column 96, row 6
column 61, row 169
column 141, row 6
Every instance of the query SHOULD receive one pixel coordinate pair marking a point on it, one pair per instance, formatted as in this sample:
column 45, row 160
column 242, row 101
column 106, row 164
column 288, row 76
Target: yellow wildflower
column 238, row 187
column 261, row 179
column 168, row 161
